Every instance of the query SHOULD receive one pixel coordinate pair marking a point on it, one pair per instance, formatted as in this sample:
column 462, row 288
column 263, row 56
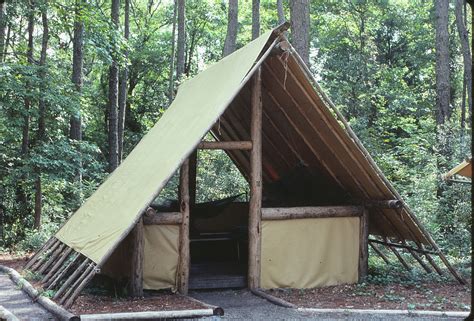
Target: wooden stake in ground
column 183, row 268
column 136, row 273
column 255, row 205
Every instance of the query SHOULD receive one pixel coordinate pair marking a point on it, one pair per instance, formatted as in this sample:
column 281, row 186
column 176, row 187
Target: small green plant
column 32, row 276
column 48, row 293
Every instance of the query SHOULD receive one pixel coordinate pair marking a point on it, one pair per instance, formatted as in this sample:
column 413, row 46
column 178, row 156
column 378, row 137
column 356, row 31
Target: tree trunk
column 3, row 27
column 42, row 113
column 113, row 95
column 281, row 12
column 38, row 201
column 29, row 55
column 75, row 131
column 299, row 14
column 42, row 73
column 122, row 99
column 466, row 54
column 181, row 39
column 7, row 42
column 443, row 111
column 173, row 46
column 255, row 19
column 232, row 26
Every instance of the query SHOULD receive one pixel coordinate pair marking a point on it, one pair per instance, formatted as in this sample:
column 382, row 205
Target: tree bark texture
column 443, row 111
column 113, row 97
column 122, row 99
column 181, row 39
column 281, row 12
column 42, row 113
column 232, row 26
column 29, row 56
column 136, row 273
column 42, row 73
column 3, row 27
column 184, row 256
column 255, row 202
column 75, row 131
column 467, row 60
column 255, row 19
column 38, row 201
column 300, row 22
column 173, row 48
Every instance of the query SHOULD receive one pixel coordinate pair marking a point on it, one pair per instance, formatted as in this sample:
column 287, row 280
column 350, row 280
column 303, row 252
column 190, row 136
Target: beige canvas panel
column 101, row 222
column 161, row 255
column 307, row 253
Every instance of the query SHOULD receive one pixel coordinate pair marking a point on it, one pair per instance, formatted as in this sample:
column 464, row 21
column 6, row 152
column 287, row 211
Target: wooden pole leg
column 136, row 273
column 364, row 245
column 184, row 259
column 255, row 205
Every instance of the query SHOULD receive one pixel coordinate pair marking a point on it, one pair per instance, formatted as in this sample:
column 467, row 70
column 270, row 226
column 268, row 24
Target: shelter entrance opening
column 218, row 229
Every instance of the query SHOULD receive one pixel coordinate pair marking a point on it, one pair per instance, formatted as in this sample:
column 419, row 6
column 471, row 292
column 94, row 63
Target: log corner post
column 184, row 259
column 136, row 273
column 363, row 244
column 255, row 206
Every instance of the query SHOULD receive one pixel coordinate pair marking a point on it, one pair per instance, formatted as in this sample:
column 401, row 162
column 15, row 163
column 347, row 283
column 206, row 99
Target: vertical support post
column 255, row 206
column 364, row 244
column 183, row 268
column 136, row 273
column 192, row 178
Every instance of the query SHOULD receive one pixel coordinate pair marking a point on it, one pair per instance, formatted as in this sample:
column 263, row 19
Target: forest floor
column 424, row 296
column 430, row 295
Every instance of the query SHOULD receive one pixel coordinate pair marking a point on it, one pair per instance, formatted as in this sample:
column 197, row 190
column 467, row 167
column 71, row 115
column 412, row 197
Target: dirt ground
column 14, row 261
column 87, row 303
column 427, row 296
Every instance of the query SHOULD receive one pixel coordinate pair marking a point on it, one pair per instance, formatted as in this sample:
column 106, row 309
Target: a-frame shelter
column 267, row 112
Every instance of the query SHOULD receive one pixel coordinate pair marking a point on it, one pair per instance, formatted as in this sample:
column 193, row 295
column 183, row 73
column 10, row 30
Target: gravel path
column 19, row 303
column 243, row 305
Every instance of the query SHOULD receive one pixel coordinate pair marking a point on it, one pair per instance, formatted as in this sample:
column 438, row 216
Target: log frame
column 388, row 204
column 414, row 219
column 255, row 203
column 184, row 258
column 136, row 266
column 153, row 217
column 363, row 244
column 226, row 145
column 402, row 246
column 379, row 252
column 288, row 213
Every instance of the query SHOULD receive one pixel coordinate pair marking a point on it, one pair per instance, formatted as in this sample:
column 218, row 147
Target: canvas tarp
column 463, row 169
column 160, row 257
column 307, row 253
column 108, row 215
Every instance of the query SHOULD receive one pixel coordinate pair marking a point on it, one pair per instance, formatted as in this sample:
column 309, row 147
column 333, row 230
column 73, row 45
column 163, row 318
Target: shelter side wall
column 307, row 253
column 161, row 255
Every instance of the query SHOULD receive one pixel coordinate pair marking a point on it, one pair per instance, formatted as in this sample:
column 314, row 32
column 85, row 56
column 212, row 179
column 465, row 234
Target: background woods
column 81, row 81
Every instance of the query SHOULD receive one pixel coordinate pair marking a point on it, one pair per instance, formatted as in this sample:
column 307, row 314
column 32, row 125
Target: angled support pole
column 398, row 255
column 255, row 206
column 379, row 252
column 183, row 264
